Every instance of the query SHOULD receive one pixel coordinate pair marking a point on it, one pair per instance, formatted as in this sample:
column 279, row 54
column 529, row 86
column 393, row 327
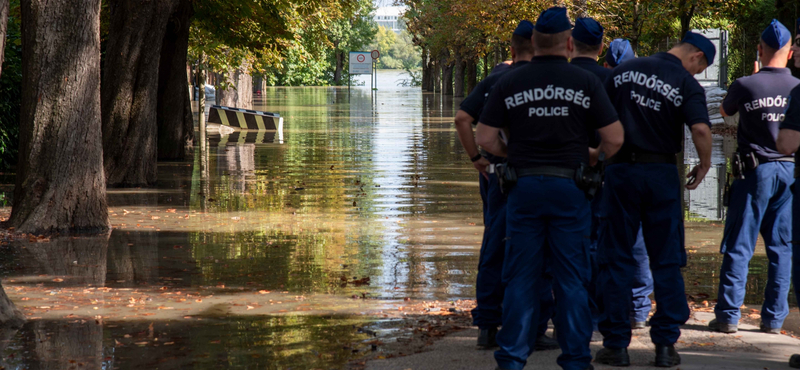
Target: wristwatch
column 476, row 158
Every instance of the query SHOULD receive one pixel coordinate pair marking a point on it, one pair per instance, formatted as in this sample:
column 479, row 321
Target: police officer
column 618, row 52
column 549, row 108
column 761, row 200
column 655, row 97
column 587, row 38
column 487, row 315
column 788, row 143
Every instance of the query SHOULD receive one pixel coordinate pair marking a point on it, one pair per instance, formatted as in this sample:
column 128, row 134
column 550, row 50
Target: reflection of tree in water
column 702, row 277
column 132, row 258
column 82, row 261
column 60, row 345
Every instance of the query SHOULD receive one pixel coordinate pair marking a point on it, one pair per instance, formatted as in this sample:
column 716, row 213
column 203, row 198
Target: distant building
column 389, row 17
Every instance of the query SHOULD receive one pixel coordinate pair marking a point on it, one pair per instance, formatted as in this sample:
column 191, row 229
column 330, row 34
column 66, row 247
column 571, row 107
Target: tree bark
column 337, row 74
column 472, row 75
column 174, row 108
column 686, row 17
column 447, row 78
column 240, row 95
column 426, row 71
column 60, row 183
column 130, row 90
column 460, row 71
column 5, row 7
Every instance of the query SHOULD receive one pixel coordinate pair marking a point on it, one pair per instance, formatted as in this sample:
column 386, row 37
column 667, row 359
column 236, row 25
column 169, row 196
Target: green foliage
column 397, row 51
column 11, row 92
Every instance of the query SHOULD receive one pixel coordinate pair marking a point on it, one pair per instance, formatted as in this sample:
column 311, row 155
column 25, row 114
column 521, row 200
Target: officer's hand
column 696, row 176
column 481, row 165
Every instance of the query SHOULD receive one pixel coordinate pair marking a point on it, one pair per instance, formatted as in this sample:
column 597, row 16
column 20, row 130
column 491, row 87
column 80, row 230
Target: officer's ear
column 570, row 45
column 791, row 54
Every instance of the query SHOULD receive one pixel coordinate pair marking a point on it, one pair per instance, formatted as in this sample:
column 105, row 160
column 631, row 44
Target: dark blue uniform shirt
column 591, row 65
column 655, row 96
column 791, row 120
column 550, row 108
column 761, row 101
column 473, row 104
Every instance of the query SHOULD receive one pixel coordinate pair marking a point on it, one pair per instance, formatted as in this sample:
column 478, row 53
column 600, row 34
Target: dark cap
column 524, row 29
column 702, row 43
column 618, row 52
column 588, row 31
column 797, row 27
column 553, row 20
column 776, row 35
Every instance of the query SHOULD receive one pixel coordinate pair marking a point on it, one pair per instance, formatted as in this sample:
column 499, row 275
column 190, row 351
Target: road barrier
column 245, row 119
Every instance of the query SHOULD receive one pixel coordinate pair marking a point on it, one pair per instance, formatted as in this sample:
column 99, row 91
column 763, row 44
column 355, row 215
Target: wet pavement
column 279, row 251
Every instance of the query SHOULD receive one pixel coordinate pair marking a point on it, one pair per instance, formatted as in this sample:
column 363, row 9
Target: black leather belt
column 550, row 171
column 643, row 158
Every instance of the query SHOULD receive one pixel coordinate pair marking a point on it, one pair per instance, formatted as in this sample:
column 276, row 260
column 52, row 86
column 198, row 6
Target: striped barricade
column 245, row 119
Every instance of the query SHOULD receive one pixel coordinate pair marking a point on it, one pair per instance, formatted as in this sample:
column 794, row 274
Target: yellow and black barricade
column 245, row 119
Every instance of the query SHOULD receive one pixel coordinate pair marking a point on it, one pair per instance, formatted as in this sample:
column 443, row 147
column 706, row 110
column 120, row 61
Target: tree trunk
column 60, row 182
column 240, row 94
column 337, row 74
column 472, row 75
column 581, row 9
column 10, row 315
column 426, row 71
column 174, row 110
column 5, row 6
column 447, row 79
column 130, row 90
column 686, row 17
column 437, row 77
column 59, row 345
column 485, row 65
column 460, row 70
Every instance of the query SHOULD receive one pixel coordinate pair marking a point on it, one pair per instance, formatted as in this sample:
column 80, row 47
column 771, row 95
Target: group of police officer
column 582, row 195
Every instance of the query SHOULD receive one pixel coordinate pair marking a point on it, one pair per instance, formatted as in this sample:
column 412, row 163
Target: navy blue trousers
column 761, row 202
column 549, row 224
column 796, row 240
column 642, row 278
column 489, row 287
column 646, row 195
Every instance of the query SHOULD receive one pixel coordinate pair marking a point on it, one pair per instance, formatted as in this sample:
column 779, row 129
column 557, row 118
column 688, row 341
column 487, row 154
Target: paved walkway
column 699, row 348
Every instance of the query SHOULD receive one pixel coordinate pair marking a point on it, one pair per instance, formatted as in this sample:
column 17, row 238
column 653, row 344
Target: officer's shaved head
column 549, row 43
column 521, row 45
column 585, row 49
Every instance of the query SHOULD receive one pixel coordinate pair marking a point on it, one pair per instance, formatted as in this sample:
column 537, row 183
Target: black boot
column 666, row 356
column 613, row 357
column 545, row 343
column 794, row 362
column 487, row 338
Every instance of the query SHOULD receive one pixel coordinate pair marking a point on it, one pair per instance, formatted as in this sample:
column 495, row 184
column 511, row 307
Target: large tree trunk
column 447, row 78
column 436, row 77
column 60, row 182
column 472, row 75
column 174, row 111
column 240, row 94
column 130, row 90
column 460, row 70
column 337, row 74
column 5, row 6
column 426, row 71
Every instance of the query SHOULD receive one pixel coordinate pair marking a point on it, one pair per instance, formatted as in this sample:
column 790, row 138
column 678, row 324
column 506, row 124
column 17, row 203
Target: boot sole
column 612, row 363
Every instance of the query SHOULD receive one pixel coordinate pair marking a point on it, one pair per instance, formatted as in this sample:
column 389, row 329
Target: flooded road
column 276, row 251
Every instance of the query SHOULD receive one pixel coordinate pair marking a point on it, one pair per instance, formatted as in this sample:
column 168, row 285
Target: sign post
column 359, row 65
column 375, row 54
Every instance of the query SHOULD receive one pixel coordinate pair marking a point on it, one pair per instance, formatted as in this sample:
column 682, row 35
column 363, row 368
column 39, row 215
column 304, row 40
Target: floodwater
column 269, row 251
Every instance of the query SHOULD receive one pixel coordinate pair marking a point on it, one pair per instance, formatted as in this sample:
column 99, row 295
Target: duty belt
column 550, row 171
column 641, row 157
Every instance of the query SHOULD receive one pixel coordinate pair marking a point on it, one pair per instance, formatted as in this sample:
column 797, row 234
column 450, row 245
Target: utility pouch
column 737, row 166
column 506, row 176
column 750, row 162
column 590, row 179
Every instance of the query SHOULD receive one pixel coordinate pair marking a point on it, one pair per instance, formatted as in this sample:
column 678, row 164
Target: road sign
column 375, row 54
column 360, row 63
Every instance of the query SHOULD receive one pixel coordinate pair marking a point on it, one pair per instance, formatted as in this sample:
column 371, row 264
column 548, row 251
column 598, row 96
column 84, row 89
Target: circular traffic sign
column 376, row 54
column 360, row 58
